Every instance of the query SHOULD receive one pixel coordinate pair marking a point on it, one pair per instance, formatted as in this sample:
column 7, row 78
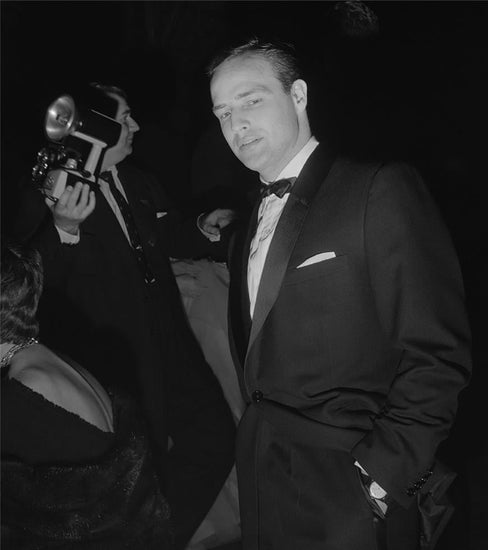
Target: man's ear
column 299, row 94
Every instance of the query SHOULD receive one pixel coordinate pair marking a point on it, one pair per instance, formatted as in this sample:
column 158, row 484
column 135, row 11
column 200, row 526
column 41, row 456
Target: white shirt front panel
column 269, row 213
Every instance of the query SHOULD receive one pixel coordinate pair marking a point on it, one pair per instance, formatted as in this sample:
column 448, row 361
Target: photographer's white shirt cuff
column 67, row 238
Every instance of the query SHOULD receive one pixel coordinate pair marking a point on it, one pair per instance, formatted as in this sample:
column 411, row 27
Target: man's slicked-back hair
column 21, row 287
column 280, row 55
column 100, row 97
column 110, row 89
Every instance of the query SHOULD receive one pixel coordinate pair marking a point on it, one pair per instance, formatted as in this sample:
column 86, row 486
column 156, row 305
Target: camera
column 78, row 138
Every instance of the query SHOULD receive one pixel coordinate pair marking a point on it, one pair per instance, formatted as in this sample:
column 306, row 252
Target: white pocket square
column 160, row 215
column 317, row 258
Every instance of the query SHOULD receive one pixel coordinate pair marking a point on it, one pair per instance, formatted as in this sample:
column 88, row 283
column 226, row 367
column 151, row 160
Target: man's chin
column 251, row 162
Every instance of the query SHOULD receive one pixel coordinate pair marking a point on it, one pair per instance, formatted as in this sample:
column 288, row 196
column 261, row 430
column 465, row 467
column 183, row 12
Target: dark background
column 389, row 79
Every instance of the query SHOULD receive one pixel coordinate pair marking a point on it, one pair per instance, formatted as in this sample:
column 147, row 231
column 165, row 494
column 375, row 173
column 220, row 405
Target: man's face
column 264, row 125
column 123, row 147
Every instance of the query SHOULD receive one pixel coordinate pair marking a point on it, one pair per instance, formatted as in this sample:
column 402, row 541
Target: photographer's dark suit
column 360, row 356
column 97, row 309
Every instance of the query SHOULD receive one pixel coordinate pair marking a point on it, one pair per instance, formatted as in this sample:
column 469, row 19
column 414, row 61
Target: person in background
column 76, row 469
column 111, row 303
column 348, row 328
column 219, row 183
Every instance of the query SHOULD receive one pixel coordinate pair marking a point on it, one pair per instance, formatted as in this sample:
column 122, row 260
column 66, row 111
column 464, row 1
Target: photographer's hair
column 100, row 97
column 281, row 56
column 110, row 89
column 21, row 287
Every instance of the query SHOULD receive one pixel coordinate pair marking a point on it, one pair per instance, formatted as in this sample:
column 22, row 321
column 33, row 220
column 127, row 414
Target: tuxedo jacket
column 97, row 309
column 363, row 352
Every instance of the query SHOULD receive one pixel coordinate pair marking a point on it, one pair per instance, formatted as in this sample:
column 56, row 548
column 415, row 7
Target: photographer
column 111, row 302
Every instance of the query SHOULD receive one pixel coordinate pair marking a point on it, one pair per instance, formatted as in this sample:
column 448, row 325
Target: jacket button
column 257, row 396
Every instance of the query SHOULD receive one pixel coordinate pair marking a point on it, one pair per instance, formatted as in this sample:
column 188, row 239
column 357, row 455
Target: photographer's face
column 123, row 147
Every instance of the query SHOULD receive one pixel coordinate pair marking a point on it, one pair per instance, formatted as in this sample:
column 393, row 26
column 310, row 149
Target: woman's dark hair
column 21, row 288
column 281, row 56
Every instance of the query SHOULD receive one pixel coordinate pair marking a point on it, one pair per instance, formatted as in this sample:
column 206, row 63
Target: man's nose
column 133, row 126
column 239, row 123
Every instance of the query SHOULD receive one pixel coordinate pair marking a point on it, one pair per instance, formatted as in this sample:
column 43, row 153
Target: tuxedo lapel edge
column 287, row 232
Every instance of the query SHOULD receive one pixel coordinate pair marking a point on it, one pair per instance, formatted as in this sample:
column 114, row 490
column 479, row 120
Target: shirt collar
column 294, row 167
column 112, row 169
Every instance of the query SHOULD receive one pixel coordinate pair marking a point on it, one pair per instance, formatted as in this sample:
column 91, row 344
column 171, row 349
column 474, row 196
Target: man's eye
column 253, row 101
column 224, row 115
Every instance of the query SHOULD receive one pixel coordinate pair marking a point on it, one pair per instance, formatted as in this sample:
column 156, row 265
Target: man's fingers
column 75, row 204
column 91, row 204
column 225, row 220
column 65, row 195
column 75, row 195
column 210, row 225
column 84, row 196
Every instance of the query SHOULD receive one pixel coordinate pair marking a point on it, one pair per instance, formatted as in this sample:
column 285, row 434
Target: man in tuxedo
column 348, row 327
column 111, row 303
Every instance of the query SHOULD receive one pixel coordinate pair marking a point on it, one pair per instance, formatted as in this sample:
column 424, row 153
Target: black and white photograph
column 242, row 275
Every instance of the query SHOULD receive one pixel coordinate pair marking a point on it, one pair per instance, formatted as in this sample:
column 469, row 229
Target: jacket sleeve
column 177, row 226
column 419, row 297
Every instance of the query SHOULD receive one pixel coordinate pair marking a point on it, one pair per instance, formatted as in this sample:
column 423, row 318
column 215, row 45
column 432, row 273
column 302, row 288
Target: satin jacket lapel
column 239, row 315
column 287, row 231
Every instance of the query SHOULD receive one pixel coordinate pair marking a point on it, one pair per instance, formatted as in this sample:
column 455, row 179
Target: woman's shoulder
column 59, row 382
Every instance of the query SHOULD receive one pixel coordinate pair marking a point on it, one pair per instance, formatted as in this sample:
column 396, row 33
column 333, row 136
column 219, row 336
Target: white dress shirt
column 269, row 214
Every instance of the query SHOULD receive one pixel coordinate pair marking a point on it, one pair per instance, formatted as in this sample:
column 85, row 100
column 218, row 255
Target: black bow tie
column 278, row 188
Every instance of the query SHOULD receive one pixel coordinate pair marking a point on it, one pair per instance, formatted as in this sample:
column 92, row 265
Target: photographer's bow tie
column 279, row 187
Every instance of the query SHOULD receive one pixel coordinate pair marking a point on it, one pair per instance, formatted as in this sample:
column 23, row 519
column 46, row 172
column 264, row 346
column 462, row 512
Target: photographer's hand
column 211, row 223
column 73, row 207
